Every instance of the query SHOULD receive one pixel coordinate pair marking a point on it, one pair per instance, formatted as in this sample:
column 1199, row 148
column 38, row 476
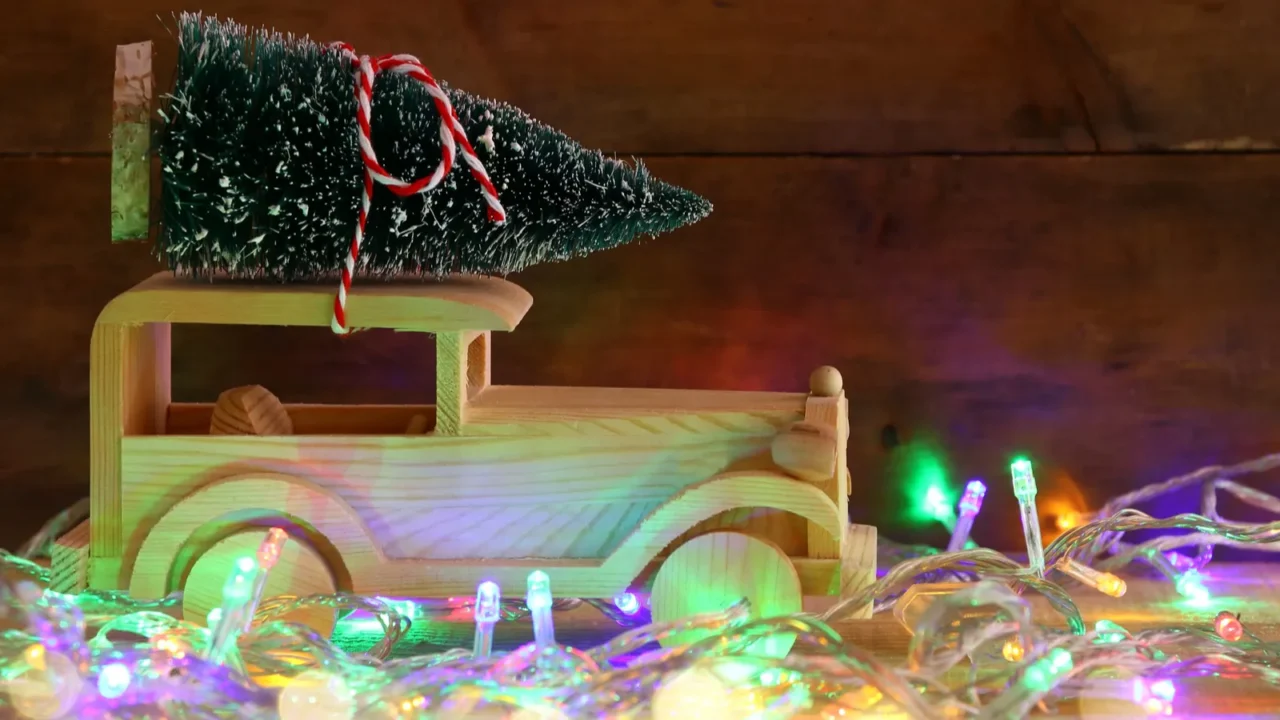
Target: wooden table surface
column 1247, row 589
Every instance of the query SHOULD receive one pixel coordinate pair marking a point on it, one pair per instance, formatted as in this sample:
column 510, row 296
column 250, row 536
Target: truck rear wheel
column 712, row 571
column 300, row 571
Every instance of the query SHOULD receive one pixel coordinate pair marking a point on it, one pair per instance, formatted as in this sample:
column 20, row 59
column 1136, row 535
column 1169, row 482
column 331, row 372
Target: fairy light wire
column 955, row 666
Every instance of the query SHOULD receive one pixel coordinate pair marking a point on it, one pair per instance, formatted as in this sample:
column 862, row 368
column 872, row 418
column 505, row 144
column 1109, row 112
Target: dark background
column 1038, row 227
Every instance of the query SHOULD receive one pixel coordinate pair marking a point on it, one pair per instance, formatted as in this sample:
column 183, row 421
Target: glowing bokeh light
column 114, row 680
column 627, row 603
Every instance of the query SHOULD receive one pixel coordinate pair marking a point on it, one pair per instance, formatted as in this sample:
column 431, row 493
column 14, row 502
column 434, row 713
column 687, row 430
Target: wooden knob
column 250, row 410
column 826, row 382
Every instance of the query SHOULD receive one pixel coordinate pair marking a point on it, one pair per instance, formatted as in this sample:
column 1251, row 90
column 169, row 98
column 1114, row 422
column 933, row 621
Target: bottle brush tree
column 262, row 171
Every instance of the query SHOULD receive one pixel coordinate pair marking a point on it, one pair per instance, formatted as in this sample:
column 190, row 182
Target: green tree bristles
column 262, row 172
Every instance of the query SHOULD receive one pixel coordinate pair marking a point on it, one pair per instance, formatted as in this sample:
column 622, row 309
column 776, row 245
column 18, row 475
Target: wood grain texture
column 451, row 498
column 195, row 419
column 130, row 390
column 249, row 410
column 453, row 304
column 300, row 572
column 806, row 453
column 858, row 565
column 347, row 536
column 518, row 410
column 462, row 374
column 713, row 571
column 1107, row 316
column 743, row 76
column 69, row 561
column 831, row 416
column 451, row 374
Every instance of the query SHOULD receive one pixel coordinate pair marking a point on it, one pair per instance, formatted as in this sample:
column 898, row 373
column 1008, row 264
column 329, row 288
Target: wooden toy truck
column 702, row 497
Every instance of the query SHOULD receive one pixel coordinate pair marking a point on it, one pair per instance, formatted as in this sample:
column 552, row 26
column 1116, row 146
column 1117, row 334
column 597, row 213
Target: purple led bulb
column 971, row 501
column 970, row 504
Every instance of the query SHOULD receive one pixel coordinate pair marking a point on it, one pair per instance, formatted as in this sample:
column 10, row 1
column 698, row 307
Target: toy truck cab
column 702, row 496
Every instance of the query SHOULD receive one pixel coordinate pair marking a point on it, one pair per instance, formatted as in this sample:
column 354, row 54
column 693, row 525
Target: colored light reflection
column 921, row 470
column 1062, row 504
column 1069, row 520
column 1191, row 586
column 405, row 608
column 936, row 503
column 1154, row 697
column 114, row 680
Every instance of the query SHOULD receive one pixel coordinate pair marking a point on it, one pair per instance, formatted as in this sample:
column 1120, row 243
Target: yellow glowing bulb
column 693, row 693
column 854, row 704
column 1103, row 582
column 1012, row 650
column 316, row 695
column 747, row 702
column 866, row 696
column 1068, row 520
column 1109, row 584
column 35, row 656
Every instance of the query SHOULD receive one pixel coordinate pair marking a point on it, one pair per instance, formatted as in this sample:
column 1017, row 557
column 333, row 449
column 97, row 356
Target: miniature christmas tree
column 263, row 172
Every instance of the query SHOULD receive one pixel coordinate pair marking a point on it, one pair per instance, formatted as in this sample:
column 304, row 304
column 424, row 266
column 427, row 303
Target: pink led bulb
column 1228, row 627
column 269, row 550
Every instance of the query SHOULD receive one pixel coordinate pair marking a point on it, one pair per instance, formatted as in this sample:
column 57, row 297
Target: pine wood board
column 742, row 76
column 450, row 304
column 371, row 548
column 299, row 571
column 446, row 498
column 1108, row 316
column 714, row 570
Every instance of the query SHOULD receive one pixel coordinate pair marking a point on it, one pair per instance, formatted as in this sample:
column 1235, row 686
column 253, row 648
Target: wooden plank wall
column 1014, row 225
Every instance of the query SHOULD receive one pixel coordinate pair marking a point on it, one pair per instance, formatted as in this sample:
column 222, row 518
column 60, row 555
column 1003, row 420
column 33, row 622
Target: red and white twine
column 452, row 136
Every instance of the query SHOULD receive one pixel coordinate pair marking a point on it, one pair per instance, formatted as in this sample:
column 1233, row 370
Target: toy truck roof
column 456, row 303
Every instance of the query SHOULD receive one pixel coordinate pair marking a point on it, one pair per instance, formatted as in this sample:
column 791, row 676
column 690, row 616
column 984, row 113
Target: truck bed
column 512, row 409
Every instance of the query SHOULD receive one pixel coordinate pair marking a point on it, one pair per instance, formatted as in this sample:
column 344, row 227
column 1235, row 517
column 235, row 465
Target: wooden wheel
column 300, row 571
column 713, row 571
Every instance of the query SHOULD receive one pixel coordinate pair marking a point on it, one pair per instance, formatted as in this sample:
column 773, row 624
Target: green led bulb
column 1024, row 481
column 1060, row 661
column 1108, row 632
column 1191, row 586
column 1024, row 488
column 1044, row 673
